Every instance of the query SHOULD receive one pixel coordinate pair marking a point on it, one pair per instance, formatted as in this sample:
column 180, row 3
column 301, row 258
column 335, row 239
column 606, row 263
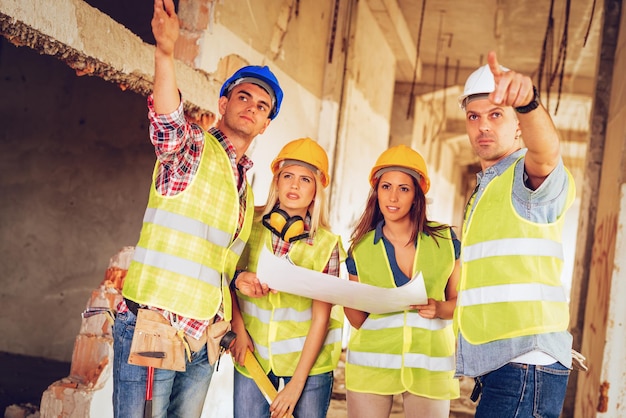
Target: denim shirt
column 399, row 277
column 543, row 205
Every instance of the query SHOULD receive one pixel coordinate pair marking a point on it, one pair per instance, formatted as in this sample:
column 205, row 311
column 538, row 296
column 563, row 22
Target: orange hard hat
column 304, row 150
column 404, row 159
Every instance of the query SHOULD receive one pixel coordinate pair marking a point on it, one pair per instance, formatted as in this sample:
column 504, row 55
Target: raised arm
column 538, row 130
column 166, row 28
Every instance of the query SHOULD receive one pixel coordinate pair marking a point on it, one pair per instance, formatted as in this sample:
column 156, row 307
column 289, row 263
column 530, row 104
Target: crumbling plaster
column 74, row 176
column 92, row 43
column 84, row 145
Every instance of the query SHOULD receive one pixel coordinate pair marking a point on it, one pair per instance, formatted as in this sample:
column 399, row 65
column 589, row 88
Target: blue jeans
column 314, row 401
column 523, row 390
column 174, row 394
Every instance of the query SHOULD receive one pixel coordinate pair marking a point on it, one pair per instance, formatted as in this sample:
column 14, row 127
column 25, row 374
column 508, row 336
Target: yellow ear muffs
column 288, row 228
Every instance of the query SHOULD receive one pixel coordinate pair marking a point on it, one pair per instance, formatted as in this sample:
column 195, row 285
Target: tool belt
column 156, row 343
column 214, row 335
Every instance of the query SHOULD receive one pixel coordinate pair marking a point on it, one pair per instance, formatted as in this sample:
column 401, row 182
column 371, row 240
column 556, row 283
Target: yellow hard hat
column 402, row 158
column 307, row 151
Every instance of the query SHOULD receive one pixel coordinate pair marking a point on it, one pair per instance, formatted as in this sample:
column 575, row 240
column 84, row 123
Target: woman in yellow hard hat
column 295, row 339
column 408, row 353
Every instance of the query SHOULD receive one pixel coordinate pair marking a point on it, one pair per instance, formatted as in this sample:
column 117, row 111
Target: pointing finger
column 501, row 84
column 494, row 66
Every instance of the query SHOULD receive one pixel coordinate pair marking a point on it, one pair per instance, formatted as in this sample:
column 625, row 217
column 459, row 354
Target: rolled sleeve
column 170, row 133
column 547, row 202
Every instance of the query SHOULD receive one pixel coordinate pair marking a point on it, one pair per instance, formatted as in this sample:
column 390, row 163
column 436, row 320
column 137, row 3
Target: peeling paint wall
column 88, row 159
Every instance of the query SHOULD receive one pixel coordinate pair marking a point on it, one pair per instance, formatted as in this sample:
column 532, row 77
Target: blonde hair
column 318, row 208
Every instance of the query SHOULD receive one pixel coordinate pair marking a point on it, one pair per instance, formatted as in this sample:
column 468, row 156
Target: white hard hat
column 479, row 82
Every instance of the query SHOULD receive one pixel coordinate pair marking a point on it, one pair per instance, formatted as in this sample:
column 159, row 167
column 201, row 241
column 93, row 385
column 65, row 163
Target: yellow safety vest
column 279, row 322
column 186, row 242
column 401, row 351
column 510, row 282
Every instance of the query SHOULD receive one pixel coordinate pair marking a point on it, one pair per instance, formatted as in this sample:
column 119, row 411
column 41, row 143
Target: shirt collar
column 245, row 162
column 378, row 234
column 499, row 167
column 307, row 228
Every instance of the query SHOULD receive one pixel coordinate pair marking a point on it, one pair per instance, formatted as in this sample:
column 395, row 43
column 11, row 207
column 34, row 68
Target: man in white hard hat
column 512, row 312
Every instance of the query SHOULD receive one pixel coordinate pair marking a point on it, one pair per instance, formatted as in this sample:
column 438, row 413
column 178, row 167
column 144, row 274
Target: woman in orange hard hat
column 295, row 339
column 408, row 353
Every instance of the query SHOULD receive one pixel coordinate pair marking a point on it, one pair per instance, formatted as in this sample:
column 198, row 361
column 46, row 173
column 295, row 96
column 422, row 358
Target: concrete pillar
column 600, row 392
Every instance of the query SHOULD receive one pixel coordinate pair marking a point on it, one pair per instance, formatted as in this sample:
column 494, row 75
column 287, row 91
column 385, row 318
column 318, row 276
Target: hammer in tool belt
column 147, row 409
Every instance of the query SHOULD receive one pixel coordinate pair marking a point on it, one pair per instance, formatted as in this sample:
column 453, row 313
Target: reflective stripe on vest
column 513, row 246
column 280, row 314
column 193, row 227
column 279, row 323
column 292, row 345
column 401, row 351
column 520, row 292
column 397, row 361
column 186, row 253
column 397, row 321
column 177, row 265
column 510, row 283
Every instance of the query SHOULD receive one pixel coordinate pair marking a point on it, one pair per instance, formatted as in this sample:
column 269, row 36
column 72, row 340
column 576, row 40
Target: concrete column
column 600, row 392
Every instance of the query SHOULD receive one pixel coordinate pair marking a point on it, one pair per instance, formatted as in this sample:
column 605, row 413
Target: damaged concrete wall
column 278, row 34
column 74, row 176
column 83, row 142
column 94, row 44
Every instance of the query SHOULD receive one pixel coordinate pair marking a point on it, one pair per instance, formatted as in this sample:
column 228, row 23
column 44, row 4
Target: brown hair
column 372, row 216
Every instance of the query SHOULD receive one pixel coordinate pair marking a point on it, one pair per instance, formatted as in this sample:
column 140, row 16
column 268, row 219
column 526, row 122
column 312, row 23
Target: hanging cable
column 560, row 69
column 593, row 10
column 547, row 44
column 409, row 110
column 333, row 32
column 546, row 69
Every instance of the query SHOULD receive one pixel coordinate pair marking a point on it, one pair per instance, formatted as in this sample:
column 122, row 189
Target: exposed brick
column 187, row 47
column 90, row 379
column 194, row 15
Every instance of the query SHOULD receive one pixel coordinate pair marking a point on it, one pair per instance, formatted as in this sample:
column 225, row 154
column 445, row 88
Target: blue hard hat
column 261, row 76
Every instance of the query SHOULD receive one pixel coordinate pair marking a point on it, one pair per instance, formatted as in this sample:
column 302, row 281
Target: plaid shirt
column 178, row 145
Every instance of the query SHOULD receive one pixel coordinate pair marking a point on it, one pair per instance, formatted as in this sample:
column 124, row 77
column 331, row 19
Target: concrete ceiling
column 460, row 33
column 452, row 38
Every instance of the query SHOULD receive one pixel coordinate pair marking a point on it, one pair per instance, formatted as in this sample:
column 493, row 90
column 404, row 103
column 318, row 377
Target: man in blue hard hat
column 196, row 224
